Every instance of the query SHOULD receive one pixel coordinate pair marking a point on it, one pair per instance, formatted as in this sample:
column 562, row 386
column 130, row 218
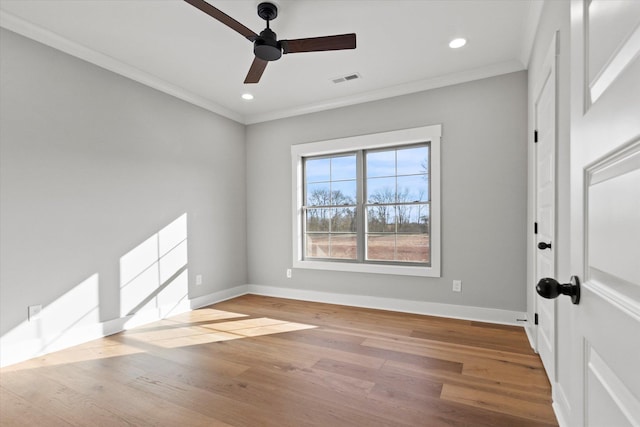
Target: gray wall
column 484, row 193
column 92, row 165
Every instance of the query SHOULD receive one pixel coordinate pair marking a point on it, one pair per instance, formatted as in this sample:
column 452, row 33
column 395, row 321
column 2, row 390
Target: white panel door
column 605, row 210
column 545, row 148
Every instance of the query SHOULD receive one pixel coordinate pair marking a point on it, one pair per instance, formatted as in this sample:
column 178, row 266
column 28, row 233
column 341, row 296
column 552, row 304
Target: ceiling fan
column 266, row 47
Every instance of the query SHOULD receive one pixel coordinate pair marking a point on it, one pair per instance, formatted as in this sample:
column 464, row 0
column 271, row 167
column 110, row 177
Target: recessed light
column 456, row 43
column 247, row 96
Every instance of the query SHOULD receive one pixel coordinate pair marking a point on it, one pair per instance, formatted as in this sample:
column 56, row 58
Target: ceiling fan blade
column 315, row 44
column 256, row 70
column 223, row 17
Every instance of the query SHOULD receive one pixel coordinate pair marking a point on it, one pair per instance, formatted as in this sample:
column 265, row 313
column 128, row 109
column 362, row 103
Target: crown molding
column 51, row 39
column 392, row 91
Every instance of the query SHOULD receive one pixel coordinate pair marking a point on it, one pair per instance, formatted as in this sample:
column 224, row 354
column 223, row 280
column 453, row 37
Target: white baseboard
column 219, row 296
column 560, row 403
column 530, row 330
column 562, row 422
column 490, row 315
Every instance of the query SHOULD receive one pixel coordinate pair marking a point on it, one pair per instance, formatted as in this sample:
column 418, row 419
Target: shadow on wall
column 153, row 284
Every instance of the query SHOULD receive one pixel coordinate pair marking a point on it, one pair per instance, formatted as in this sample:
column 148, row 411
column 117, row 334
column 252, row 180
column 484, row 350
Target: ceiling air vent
column 346, row 78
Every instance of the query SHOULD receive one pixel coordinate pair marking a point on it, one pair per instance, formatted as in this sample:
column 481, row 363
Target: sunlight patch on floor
column 224, row 331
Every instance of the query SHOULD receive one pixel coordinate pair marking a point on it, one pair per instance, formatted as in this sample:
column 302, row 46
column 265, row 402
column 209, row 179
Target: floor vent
column 346, row 78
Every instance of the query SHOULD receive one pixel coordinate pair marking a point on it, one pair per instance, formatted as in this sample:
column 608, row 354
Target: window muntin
column 394, row 227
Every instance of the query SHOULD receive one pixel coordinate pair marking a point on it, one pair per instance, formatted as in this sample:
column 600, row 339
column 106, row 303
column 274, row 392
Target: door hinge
column 535, row 228
column 535, row 136
column 535, row 319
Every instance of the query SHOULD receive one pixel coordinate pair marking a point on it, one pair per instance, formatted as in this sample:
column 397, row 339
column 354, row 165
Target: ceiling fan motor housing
column 267, row 47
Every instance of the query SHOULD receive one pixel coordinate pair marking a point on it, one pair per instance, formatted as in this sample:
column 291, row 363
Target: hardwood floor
column 259, row 361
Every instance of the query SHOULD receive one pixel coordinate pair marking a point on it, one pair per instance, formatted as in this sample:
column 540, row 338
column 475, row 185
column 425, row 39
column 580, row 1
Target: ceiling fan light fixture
column 457, row 43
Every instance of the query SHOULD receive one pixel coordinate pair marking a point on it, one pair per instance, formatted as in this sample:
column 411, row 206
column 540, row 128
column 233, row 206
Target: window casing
column 369, row 203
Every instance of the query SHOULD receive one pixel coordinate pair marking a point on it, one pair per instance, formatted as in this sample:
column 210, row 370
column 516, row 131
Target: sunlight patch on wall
column 154, row 275
column 64, row 322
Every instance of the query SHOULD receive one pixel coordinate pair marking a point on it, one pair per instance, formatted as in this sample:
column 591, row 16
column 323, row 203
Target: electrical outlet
column 198, row 279
column 34, row 312
column 288, row 273
column 457, row 286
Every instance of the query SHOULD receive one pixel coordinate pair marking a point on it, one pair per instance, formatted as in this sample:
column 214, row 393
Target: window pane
column 343, row 246
column 381, row 190
column 317, row 170
column 413, row 188
column 317, row 246
column 413, row 218
column 413, row 160
column 343, row 220
column 343, row 167
column 318, row 194
column 381, row 163
column 412, row 248
column 381, row 219
column 400, row 247
column 343, row 192
column 318, row 220
column 381, row 247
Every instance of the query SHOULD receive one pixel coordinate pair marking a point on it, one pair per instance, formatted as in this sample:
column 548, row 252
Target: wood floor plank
column 436, row 411
column 135, row 405
column 315, row 398
column 415, row 385
column 530, row 393
column 507, row 372
column 499, row 403
column 16, row 410
column 62, row 400
column 261, row 361
column 459, row 353
column 507, row 341
column 355, row 344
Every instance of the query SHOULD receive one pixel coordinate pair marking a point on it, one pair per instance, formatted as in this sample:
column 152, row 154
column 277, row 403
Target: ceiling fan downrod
column 266, row 46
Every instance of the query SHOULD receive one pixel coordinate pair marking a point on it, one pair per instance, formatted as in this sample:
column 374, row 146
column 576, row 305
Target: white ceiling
column 402, row 47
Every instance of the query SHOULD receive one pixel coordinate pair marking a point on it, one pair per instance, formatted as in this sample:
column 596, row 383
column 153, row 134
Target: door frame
column 548, row 70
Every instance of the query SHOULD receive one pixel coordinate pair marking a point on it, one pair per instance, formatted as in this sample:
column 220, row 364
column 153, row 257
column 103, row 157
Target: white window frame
column 431, row 134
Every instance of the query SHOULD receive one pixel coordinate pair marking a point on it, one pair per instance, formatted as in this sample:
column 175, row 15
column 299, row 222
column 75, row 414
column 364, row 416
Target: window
column 369, row 203
column 397, row 205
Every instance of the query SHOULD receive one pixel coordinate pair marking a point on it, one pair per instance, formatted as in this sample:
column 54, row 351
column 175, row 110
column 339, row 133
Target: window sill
column 397, row 270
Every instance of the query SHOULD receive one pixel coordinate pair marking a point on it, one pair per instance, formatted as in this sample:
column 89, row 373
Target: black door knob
column 544, row 245
column 550, row 288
